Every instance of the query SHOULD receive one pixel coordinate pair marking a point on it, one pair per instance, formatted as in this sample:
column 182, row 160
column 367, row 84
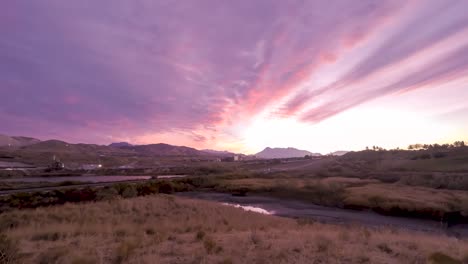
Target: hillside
column 17, row 141
column 339, row 153
column 434, row 159
column 120, row 144
column 218, row 152
column 162, row 149
column 75, row 155
column 281, row 153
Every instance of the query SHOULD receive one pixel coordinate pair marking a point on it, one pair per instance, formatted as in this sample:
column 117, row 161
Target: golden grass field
column 168, row 229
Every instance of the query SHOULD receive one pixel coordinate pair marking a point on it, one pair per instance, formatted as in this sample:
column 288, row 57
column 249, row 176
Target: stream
column 299, row 209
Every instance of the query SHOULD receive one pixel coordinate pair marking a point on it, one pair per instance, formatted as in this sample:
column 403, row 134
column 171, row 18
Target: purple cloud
column 88, row 70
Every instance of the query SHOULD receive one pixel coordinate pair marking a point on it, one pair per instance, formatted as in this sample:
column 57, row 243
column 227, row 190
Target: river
column 298, row 209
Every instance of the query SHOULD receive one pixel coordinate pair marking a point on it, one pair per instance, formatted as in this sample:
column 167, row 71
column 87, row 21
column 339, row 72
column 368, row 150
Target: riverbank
column 329, row 215
column 392, row 199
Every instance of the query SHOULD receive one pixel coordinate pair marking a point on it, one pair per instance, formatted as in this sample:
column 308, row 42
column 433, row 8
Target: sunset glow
column 236, row 75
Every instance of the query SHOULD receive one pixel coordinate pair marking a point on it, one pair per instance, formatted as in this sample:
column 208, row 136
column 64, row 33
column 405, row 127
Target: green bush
column 129, row 192
column 106, row 193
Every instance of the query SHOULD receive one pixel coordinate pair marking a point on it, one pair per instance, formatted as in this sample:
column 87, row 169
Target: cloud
column 126, row 69
column 409, row 43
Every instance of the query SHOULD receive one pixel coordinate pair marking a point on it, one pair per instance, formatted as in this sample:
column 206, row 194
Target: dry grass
column 165, row 229
column 358, row 193
column 407, row 197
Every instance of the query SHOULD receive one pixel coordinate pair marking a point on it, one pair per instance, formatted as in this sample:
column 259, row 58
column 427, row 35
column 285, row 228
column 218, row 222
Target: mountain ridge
column 17, row 141
column 281, row 153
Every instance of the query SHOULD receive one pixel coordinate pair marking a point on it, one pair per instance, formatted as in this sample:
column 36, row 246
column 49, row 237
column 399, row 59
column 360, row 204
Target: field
column 167, row 229
column 143, row 223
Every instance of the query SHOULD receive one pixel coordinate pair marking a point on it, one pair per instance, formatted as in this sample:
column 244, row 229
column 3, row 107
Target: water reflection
column 251, row 208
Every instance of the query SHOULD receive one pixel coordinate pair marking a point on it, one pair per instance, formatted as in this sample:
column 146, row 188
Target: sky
column 236, row 75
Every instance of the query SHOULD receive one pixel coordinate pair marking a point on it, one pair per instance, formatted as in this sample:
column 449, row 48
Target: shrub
column 211, row 247
column 8, row 222
column 47, row 236
column 385, row 248
column 226, row 261
column 255, row 238
column 83, row 260
column 8, row 250
column 425, row 156
column 80, row 195
column 150, row 231
column 53, row 255
column 441, row 258
column 166, row 187
column 106, row 193
column 200, row 235
column 147, row 189
column 375, row 201
column 439, row 155
column 124, row 251
column 129, row 192
column 323, row 243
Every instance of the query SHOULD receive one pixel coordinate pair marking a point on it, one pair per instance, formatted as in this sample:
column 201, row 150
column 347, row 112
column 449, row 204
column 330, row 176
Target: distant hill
column 64, row 148
column 120, row 144
column 17, row 141
column 41, row 153
column 281, row 153
column 339, row 153
column 218, row 152
column 162, row 149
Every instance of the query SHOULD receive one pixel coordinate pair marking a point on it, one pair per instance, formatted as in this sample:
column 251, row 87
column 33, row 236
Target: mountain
column 218, row 152
column 280, row 153
column 17, row 141
column 120, row 144
column 162, row 149
column 338, row 153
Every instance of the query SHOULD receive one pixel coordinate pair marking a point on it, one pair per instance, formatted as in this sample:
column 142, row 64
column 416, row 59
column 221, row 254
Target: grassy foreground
column 167, row 229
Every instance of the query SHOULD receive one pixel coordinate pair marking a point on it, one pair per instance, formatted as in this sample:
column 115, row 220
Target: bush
column 9, row 221
column 439, row 155
column 147, row 189
column 425, row 156
column 441, row 258
column 124, row 251
column 385, row 248
column 166, row 187
column 83, row 260
column 211, row 247
column 200, row 235
column 106, row 193
column 47, row 236
column 80, row 195
column 53, row 255
column 129, row 192
column 8, row 250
